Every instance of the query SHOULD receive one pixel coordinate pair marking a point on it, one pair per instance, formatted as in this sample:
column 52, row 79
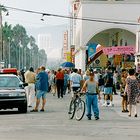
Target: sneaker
column 126, row 110
column 104, row 104
column 34, row 110
column 110, row 105
column 42, row 110
column 97, row 118
column 89, row 118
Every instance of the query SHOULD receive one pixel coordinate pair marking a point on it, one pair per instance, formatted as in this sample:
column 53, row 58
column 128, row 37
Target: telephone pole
column 2, row 9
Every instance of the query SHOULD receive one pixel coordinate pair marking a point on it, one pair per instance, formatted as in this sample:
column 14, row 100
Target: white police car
column 12, row 93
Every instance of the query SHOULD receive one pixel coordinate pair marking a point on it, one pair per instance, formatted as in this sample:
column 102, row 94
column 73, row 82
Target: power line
column 76, row 18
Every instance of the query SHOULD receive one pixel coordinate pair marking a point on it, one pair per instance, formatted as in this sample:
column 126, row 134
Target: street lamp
column 2, row 9
column 19, row 57
column 9, row 58
column 1, row 39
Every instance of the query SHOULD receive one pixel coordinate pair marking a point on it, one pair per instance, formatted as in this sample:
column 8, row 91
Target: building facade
column 45, row 42
column 104, row 22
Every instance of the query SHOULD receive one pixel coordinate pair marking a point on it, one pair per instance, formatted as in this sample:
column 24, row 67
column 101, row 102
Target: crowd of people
column 94, row 83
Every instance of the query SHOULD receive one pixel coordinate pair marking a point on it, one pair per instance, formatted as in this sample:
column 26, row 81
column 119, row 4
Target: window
column 9, row 81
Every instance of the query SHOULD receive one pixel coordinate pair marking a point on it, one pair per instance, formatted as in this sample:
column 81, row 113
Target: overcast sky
column 60, row 7
column 29, row 20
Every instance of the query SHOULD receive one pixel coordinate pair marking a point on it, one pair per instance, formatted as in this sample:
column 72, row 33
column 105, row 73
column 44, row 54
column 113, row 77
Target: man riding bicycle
column 75, row 81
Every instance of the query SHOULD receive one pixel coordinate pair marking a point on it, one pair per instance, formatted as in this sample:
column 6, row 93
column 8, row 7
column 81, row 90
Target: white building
column 107, row 22
column 44, row 42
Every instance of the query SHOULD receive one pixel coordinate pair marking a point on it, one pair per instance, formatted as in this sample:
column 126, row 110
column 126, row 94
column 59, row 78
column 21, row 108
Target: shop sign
column 119, row 50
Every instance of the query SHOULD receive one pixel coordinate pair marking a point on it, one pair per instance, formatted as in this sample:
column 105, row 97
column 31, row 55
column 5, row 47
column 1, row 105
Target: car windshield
column 6, row 81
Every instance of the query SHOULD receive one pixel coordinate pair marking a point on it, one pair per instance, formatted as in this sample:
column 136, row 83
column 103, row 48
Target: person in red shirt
column 60, row 82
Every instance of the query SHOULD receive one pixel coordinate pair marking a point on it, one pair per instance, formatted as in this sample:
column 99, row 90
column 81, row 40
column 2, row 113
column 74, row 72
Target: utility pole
column 137, row 54
column 2, row 9
column 1, row 34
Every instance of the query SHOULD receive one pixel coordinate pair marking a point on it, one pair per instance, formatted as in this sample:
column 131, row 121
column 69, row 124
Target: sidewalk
column 118, row 109
column 112, row 125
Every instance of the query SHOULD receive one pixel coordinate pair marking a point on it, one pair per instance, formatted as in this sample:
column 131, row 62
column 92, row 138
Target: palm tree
column 19, row 34
column 7, row 38
column 20, row 50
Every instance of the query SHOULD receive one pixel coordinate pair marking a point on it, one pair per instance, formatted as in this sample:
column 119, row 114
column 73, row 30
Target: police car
column 12, row 92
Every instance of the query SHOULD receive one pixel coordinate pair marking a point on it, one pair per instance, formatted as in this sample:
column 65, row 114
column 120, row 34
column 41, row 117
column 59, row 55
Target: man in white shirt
column 75, row 81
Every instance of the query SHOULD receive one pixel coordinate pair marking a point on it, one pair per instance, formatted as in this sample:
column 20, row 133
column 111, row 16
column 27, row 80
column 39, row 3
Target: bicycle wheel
column 71, row 109
column 80, row 109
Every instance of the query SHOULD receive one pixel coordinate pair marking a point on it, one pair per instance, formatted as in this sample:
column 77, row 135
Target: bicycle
column 77, row 106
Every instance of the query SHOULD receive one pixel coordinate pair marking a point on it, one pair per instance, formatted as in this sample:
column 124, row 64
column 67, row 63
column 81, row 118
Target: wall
column 104, row 11
column 101, row 10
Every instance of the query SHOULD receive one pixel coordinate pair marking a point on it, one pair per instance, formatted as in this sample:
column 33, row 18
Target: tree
column 23, row 49
column 7, row 37
column 19, row 36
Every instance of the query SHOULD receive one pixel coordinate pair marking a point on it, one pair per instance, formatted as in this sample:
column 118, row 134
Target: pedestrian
column 101, row 83
column 42, row 89
column 108, row 86
column 75, row 81
column 122, row 90
column 22, row 72
column 86, row 75
column 53, row 82
column 30, row 77
column 19, row 75
column 115, row 76
column 60, row 82
column 90, row 87
column 36, row 71
column 132, row 88
column 66, row 82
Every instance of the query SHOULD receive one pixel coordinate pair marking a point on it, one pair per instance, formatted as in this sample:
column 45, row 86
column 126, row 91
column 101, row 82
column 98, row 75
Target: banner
column 91, row 50
column 68, row 58
column 119, row 50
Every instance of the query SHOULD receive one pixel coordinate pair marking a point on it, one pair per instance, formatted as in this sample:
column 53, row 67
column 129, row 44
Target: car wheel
column 23, row 108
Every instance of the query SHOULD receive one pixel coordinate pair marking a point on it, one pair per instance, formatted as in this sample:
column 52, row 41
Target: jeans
column 92, row 103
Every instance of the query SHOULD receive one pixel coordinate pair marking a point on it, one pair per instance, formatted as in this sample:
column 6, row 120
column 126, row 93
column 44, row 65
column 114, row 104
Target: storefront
column 107, row 28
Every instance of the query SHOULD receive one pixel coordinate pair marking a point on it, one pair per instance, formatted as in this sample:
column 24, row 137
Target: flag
column 91, row 50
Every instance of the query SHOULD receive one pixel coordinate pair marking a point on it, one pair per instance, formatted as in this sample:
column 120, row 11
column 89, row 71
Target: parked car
column 12, row 93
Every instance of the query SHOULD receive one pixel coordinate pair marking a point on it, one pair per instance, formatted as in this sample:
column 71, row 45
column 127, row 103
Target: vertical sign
column 68, row 57
column 72, row 50
column 65, row 45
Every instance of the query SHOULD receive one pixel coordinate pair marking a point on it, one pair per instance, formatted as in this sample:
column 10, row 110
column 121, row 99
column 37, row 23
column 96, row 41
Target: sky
column 33, row 21
column 60, row 7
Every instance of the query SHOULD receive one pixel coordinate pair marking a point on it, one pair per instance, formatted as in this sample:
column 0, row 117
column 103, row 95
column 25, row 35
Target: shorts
column 108, row 90
column 74, row 89
column 40, row 94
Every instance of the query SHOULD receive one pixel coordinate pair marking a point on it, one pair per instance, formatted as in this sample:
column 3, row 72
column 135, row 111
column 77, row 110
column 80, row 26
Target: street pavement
column 54, row 123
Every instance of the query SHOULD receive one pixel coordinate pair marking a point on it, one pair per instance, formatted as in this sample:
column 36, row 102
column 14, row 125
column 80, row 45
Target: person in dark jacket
column 42, row 85
column 108, row 85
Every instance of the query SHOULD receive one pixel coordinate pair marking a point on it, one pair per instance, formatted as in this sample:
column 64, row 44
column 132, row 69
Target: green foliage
column 24, row 51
